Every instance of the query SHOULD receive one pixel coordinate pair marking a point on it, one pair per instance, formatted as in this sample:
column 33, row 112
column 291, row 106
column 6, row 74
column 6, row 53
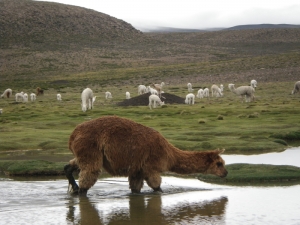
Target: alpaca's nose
column 224, row 174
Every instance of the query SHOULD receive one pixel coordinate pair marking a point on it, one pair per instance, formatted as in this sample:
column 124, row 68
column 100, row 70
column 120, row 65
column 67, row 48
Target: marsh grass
column 31, row 167
column 255, row 173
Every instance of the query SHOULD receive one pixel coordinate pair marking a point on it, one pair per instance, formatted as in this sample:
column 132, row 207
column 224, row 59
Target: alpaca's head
column 83, row 107
column 231, row 86
column 217, row 164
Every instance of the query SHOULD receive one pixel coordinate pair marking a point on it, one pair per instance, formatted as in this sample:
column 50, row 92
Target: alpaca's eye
column 219, row 164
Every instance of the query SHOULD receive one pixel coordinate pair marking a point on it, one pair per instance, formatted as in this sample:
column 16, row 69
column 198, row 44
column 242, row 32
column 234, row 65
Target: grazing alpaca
column 87, row 99
column 216, row 91
column 32, row 97
column 154, row 101
column 296, row 88
column 152, row 91
column 108, row 95
column 25, row 97
column 39, row 91
column 7, row 93
column 190, row 99
column 200, row 93
column 206, row 93
column 142, row 89
column 19, row 97
column 126, row 148
column 246, row 91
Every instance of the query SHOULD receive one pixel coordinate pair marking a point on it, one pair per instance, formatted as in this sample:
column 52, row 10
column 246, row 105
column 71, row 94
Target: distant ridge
column 262, row 26
column 175, row 30
column 238, row 27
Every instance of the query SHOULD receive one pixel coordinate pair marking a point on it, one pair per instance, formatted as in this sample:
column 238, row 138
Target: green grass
column 255, row 173
column 46, row 124
column 31, row 168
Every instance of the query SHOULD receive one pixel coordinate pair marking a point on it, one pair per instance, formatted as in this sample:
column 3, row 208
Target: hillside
column 56, row 44
column 27, row 22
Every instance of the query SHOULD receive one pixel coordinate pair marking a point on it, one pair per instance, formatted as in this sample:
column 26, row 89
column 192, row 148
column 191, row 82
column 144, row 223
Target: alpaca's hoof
column 82, row 192
column 158, row 190
column 135, row 191
column 72, row 190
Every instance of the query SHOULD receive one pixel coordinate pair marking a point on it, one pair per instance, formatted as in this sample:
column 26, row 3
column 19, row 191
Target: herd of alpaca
column 245, row 92
column 125, row 148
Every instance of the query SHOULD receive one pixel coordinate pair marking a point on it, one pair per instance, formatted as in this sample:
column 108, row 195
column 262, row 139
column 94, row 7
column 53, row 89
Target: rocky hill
column 25, row 21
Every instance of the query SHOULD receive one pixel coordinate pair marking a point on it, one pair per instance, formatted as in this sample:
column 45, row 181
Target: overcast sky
column 196, row 14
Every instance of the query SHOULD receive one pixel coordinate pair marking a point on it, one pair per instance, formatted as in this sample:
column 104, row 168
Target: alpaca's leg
column 154, row 181
column 86, row 180
column 69, row 169
column 90, row 168
column 136, row 182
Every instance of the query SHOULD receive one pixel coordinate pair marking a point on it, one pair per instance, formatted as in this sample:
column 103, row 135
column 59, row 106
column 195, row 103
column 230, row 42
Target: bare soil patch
column 143, row 100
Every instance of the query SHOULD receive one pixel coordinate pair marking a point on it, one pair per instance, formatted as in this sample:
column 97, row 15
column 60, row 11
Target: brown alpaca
column 125, row 148
column 159, row 88
column 39, row 91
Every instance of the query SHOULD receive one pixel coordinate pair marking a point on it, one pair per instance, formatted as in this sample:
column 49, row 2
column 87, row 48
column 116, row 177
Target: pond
column 184, row 201
column 290, row 157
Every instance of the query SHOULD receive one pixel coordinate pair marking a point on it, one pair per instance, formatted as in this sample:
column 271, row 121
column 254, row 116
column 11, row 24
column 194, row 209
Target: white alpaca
column 152, row 90
column 7, row 93
column 25, row 97
column 246, row 91
column 253, row 83
column 200, row 93
column 1, row 110
column 87, row 99
column 19, row 97
column 94, row 99
column 58, row 97
column 296, row 88
column 127, row 95
column 190, row 99
column 222, row 87
column 32, row 97
column 142, row 89
column 206, row 93
column 154, row 101
column 108, row 95
column 189, row 85
column 159, row 88
column 216, row 91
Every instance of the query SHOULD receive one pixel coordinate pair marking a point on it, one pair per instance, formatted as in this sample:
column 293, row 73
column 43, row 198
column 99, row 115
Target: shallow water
column 290, row 156
column 184, row 201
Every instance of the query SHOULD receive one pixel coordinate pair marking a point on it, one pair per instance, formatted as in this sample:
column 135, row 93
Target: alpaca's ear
column 220, row 151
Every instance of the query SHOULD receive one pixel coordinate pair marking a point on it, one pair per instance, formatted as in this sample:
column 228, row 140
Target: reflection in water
column 88, row 213
column 146, row 209
column 184, row 201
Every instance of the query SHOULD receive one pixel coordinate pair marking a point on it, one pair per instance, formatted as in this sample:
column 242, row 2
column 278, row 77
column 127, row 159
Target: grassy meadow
column 40, row 130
